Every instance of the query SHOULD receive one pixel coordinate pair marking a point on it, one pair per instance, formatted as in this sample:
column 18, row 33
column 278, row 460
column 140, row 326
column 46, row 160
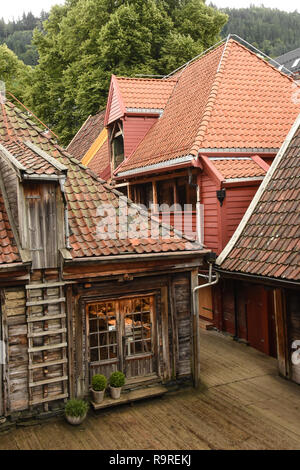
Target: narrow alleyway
column 242, row 404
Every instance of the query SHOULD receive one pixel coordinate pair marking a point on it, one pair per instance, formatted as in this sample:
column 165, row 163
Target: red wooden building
column 204, row 136
column 259, row 296
column 83, row 291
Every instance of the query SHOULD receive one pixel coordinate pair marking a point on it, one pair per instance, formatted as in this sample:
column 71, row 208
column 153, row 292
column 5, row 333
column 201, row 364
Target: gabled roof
column 267, row 241
column 85, row 194
column 86, row 135
column 229, row 168
column 145, row 93
column 90, row 145
column 229, row 99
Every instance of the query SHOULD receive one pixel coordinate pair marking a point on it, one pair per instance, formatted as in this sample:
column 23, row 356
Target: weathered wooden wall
column 173, row 324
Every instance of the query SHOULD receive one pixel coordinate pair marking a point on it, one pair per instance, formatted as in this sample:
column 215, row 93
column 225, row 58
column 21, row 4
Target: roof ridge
column 211, row 98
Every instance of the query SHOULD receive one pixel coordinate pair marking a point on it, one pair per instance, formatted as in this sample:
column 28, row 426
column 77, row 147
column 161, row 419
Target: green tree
column 13, row 72
column 85, row 41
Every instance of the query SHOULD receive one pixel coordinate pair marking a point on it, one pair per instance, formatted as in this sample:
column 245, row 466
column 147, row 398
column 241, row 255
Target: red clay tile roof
column 267, row 242
column 85, row 194
column 86, row 135
column 145, row 93
column 231, row 168
column 8, row 248
column 229, row 98
column 100, row 162
column 30, row 160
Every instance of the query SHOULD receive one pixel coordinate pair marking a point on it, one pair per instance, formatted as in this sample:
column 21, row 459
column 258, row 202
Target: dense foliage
column 17, row 35
column 272, row 31
column 13, row 72
column 85, row 41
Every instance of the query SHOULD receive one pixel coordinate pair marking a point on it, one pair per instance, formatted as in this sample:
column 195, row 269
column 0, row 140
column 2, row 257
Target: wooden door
column 138, row 339
column 103, row 335
column 121, row 336
column 257, row 318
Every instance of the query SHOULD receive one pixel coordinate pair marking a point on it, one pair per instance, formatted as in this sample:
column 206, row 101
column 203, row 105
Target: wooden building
column 81, row 291
column 259, row 296
column 203, row 136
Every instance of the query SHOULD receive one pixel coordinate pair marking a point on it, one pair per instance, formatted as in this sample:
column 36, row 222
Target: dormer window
column 117, row 144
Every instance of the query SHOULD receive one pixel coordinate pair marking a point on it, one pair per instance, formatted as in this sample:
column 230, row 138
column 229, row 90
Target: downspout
column 210, row 282
column 62, row 182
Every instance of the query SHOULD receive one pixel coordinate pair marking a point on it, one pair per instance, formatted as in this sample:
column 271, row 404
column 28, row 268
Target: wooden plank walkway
column 242, row 404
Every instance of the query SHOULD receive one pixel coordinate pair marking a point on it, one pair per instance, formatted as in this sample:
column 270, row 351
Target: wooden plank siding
column 115, row 111
column 135, row 128
column 234, row 207
column 210, row 203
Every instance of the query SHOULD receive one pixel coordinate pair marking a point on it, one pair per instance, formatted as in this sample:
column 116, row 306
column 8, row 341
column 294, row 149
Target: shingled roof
column 267, row 241
column 9, row 252
column 229, row 99
column 85, row 193
column 86, row 135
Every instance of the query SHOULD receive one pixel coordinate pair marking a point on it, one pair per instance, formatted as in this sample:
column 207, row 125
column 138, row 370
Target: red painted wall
column 234, row 207
column 135, row 128
column 209, row 200
column 115, row 111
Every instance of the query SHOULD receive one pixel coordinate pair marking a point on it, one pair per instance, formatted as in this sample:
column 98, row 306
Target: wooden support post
column 175, row 345
column 281, row 333
column 195, row 329
column 165, row 333
column 70, row 342
column 155, row 198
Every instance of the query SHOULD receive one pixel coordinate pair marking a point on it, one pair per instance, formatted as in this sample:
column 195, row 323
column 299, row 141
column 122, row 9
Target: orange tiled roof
column 8, row 249
column 228, row 99
column 268, row 239
column 237, row 167
column 85, row 193
column 145, row 93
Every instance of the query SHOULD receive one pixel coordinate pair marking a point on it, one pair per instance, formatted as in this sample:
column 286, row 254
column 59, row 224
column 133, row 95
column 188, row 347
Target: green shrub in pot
column 116, row 382
column 76, row 411
column 99, row 383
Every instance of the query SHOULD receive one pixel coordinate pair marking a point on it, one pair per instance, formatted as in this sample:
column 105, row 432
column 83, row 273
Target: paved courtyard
column 242, row 404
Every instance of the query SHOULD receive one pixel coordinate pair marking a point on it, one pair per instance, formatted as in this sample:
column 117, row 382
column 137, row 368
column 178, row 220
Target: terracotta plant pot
column 115, row 392
column 98, row 396
column 75, row 420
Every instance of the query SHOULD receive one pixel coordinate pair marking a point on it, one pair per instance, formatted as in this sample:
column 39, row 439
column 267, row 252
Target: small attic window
column 117, row 144
column 297, row 61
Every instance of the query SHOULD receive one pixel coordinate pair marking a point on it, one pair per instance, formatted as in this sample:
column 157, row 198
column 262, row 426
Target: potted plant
column 116, row 382
column 99, row 383
column 76, row 411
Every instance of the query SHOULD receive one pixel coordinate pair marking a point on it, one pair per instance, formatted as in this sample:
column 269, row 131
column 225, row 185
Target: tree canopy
column 272, row 31
column 85, row 41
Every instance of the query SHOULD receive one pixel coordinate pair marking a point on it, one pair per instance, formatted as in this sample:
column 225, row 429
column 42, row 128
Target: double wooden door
column 121, row 336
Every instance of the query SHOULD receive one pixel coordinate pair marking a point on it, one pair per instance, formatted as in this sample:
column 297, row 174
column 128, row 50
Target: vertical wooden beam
column 175, row 345
column 155, row 198
column 165, row 333
column 281, row 332
column 71, row 364
column 195, row 329
column 5, row 369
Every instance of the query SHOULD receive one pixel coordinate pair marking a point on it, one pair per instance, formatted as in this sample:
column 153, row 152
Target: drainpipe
column 212, row 280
